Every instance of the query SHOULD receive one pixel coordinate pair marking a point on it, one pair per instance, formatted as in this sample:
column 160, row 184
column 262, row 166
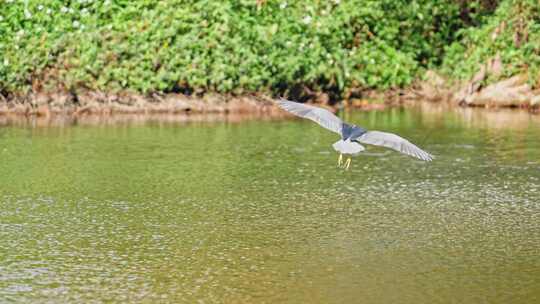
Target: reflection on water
column 257, row 212
column 116, row 119
column 507, row 119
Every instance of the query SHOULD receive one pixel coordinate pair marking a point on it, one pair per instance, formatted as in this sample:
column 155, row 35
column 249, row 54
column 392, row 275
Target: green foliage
column 513, row 33
column 233, row 46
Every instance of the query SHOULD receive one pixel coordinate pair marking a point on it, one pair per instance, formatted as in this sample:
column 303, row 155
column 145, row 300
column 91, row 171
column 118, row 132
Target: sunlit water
column 257, row 212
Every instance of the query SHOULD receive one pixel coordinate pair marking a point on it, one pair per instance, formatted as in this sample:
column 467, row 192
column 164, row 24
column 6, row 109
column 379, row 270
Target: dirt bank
column 103, row 104
column 92, row 103
column 513, row 92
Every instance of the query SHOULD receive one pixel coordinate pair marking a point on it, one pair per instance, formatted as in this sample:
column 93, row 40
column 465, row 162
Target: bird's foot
column 347, row 163
column 340, row 160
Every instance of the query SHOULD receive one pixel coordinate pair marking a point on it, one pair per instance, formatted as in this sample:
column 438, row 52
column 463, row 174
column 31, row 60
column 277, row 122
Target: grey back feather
column 321, row 116
column 395, row 142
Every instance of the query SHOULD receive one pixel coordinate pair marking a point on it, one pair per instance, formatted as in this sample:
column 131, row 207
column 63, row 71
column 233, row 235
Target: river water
column 257, row 212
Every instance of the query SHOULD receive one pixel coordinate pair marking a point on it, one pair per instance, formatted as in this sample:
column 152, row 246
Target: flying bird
column 352, row 135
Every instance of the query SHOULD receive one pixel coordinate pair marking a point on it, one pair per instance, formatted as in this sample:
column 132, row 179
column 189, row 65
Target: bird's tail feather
column 348, row 147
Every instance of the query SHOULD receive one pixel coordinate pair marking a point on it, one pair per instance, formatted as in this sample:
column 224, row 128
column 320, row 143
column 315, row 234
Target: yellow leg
column 340, row 160
column 347, row 163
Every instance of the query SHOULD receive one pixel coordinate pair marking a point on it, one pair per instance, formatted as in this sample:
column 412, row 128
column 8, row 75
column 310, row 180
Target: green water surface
column 257, row 212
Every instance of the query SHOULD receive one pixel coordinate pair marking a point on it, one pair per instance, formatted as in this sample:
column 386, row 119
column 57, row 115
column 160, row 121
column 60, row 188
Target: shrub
column 233, row 46
column 512, row 33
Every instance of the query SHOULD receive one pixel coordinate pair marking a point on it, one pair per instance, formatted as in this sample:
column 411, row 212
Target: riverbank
column 252, row 109
column 514, row 92
column 100, row 103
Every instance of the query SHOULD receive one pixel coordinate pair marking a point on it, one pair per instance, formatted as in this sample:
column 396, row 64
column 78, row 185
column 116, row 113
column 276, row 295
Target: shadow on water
column 256, row 211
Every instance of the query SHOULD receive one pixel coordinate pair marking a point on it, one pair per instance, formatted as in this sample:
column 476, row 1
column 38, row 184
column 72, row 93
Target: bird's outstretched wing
column 395, row 142
column 321, row 116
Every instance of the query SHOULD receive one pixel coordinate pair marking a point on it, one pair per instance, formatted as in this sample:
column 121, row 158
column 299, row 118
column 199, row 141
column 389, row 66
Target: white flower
column 336, row 1
column 107, row 2
column 71, row 10
column 288, row 44
column 76, row 24
column 1, row 18
column 307, row 19
column 84, row 11
column 27, row 14
column 64, row 9
column 283, row 5
column 6, row 62
column 48, row 11
column 40, row 7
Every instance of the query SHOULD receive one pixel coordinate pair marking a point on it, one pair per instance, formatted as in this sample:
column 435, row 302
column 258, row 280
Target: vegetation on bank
column 243, row 46
column 510, row 38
